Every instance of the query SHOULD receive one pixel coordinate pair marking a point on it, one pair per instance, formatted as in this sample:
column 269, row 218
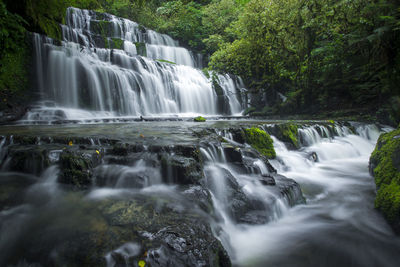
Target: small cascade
column 89, row 75
column 118, row 176
column 242, row 192
column 332, row 171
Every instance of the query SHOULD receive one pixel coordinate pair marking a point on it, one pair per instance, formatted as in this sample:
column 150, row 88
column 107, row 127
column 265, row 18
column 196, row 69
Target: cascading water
column 338, row 226
column 84, row 78
column 152, row 196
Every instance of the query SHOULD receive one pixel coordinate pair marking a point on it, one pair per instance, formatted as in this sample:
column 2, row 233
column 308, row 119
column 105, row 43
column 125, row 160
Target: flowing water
column 259, row 222
column 337, row 226
column 111, row 67
column 308, row 207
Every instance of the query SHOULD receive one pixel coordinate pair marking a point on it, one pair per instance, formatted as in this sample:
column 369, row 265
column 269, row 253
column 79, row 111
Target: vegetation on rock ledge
column 199, row 119
column 385, row 166
column 261, row 141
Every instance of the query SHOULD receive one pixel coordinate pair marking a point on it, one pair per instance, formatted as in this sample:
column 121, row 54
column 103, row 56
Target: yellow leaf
column 141, row 263
column 98, row 152
column 70, row 143
column 141, row 135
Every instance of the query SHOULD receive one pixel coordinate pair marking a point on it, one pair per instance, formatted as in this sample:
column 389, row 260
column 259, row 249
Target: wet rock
column 180, row 170
column 164, row 236
column 289, row 188
column 12, row 188
column 313, row 157
column 76, row 168
column 233, row 154
column 267, row 179
column 201, row 196
column 123, row 149
column 384, row 165
column 27, row 159
column 239, row 204
column 287, row 133
column 238, row 135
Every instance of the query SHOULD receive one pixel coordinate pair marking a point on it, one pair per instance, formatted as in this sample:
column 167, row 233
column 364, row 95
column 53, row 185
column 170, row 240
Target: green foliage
column 183, row 21
column 206, row 73
column 261, row 141
column 320, row 54
column 166, row 61
column 14, row 55
column 385, row 164
column 199, row 119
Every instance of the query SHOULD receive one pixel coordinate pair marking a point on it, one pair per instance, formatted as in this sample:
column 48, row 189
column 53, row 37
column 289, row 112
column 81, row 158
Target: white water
column 338, row 226
column 80, row 80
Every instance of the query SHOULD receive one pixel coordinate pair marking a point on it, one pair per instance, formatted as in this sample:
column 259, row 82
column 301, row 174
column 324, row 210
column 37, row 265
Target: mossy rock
column 28, row 159
column 101, row 27
column 288, row 133
column 92, row 229
column 385, row 166
column 199, row 119
column 181, row 170
column 261, row 141
column 217, row 88
column 76, row 169
column 114, row 43
column 141, row 49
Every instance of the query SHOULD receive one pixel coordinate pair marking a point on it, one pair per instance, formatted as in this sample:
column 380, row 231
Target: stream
column 323, row 217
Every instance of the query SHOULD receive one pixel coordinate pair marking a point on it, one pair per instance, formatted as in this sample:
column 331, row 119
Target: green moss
column 288, row 132
column 116, row 43
column 217, row 88
column 141, row 49
column 165, row 61
column 261, row 141
column 101, row 27
column 199, row 119
column 385, row 166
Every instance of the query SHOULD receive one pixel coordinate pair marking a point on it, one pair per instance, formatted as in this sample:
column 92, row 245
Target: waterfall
column 111, row 67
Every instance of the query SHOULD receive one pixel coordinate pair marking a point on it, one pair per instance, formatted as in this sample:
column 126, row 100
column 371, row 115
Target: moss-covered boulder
column 286, row 132
column 385, row 166
column 76, row 168
column 199, row 119
column 261, row 141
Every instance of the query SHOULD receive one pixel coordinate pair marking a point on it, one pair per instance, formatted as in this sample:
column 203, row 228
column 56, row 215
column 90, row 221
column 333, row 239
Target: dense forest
column 302, row 56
